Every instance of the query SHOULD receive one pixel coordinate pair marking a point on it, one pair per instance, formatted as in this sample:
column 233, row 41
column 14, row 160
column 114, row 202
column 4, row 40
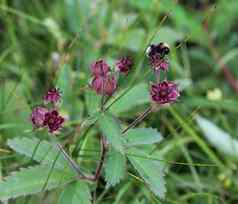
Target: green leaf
column 142, row 136
column 225, row 104
column 138, row 95
column 111, row 130
column 32, row 180
column 141, row 4
column 92, row 102
column 217, row 137
column 185, row 21
column 222, row 24
column 76, row 193
column 168, row 35
column 40, row 151
column 127, row 39
column 152, row 171
column 115, row 167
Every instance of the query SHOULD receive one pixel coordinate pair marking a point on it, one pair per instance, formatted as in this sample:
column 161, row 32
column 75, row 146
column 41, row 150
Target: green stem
column 197, row 139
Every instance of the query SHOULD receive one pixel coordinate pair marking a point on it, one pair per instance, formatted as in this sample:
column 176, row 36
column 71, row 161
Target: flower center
column 163, row 93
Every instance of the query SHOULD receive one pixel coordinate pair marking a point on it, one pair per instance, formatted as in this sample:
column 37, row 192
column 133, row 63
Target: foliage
column 173, row 156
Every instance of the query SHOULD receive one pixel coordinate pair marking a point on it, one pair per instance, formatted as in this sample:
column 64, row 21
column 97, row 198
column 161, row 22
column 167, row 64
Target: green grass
column 203, row 40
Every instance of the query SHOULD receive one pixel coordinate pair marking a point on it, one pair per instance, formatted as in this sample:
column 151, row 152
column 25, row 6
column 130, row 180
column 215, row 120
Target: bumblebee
column 162, row 49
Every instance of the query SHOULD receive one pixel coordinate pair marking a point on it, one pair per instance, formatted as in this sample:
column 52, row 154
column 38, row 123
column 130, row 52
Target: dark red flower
column 53, row 95
column 53, row 120
column 38, row 116
column 104, row 85
column 124, row 65
column 100, row 68
column 164, row 92
column 159, row 63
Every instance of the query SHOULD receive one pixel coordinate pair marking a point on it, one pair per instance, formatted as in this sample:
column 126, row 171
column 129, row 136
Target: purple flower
column 104, row 85
column 100, row 68
column 38, row 116
column 124, row 65
column 164, row 92
column 53, row 120
column 53, row 95
column 159, row 63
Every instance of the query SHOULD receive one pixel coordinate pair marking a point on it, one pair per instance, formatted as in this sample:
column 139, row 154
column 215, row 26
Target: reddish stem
column 232, row 81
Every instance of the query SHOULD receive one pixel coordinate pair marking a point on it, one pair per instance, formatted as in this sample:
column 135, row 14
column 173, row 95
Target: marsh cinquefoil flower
column 159, row 63
column 100, row 68
column 45, row 117
column 38, row 116
column 53, row 95
column 164, row 92
column 104, row 82
column 124, row 64
column 53, row 121
column 156, row 55
column 106, row 85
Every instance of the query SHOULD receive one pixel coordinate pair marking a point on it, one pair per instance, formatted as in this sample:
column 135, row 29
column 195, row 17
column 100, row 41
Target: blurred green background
column 45, row 43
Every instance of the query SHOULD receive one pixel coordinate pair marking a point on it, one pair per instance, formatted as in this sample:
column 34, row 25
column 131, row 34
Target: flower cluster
column 42, row 116
column 164, row 92
column 104, row 80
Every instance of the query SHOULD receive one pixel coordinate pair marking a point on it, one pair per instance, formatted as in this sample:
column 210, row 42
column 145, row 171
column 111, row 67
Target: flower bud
column 100, row 68
column 104, row 85
column 124, row 65
column 38, row 116
column 53, row 95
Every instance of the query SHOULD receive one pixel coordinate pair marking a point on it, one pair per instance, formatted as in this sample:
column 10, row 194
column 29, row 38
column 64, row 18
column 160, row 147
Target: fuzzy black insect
column 161, row 49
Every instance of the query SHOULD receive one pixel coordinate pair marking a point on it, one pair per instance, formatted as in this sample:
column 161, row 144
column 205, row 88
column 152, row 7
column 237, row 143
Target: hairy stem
column 71, row 162
column 97, row 174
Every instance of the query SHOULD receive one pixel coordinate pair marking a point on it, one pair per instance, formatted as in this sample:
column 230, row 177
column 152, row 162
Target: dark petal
column 54, row 113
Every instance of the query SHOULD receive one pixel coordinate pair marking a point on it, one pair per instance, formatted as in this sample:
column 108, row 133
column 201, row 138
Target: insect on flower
column 156, row 55
column 162, row 49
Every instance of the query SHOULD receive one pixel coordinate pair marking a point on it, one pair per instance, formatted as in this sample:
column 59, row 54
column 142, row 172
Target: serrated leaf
column 218, row 137
column 136, row 96
column 40, row 151
column 142, row 136
column 152, row 171
column 115, row 167
column 76, row 193
column 111, row 130
column 32, row 180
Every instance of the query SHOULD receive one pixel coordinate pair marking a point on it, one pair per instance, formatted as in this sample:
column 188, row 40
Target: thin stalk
column 68, row 158
column 102, row 159
column 96, row 176
column 103, row 95
column 138, row 119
